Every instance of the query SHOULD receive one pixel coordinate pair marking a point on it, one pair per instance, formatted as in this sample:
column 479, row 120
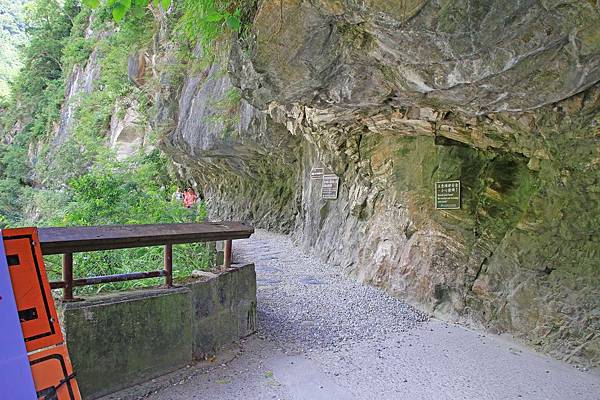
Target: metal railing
column 67, row 241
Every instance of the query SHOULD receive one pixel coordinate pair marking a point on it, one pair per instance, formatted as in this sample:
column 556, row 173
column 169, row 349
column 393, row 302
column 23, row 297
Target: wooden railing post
column 227, row 254
column 68, row 276
column 169, row 265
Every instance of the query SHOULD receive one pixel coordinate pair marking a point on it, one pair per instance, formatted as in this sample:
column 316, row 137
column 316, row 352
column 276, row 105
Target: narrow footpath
column 323, row 336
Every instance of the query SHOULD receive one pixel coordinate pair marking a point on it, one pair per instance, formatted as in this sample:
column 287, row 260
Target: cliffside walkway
column 323, row 336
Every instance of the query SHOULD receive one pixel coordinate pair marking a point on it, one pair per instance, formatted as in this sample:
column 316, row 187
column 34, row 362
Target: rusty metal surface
column 96, row 280
column 93, row 238
column 227, row 254
column 169, row 265
column 67, row 241
column 67, row 273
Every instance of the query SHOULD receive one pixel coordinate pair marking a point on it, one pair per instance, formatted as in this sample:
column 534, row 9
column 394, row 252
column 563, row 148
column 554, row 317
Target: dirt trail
column 323, row 336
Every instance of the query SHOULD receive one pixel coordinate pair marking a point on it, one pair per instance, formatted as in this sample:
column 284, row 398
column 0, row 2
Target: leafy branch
column 120, row 8
column 208, row 15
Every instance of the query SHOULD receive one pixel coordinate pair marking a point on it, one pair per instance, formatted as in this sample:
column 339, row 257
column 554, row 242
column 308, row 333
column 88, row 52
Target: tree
column 48, row 25
column 12, row 36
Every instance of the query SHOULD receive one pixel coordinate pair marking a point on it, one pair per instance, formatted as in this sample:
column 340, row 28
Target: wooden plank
column 93, row 238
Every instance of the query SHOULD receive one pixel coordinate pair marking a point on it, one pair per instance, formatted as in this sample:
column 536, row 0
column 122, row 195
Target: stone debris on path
column 322, row 336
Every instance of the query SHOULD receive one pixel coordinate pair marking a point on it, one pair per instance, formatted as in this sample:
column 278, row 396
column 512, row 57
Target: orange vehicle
column 53, row 374
column 35, row 305
column 51, row 367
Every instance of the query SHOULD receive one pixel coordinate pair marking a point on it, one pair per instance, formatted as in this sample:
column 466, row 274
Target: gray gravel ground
column 306, row 304
column 323, row 336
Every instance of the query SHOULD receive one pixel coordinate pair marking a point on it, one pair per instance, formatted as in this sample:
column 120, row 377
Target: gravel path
column 323, row 336
column 306, row 304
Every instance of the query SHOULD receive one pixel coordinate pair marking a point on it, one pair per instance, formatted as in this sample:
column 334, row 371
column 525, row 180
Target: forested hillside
column 12, row 35
column 57, row 165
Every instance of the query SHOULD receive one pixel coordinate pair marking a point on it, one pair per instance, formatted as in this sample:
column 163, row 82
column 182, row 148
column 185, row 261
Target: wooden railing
column 67, row 241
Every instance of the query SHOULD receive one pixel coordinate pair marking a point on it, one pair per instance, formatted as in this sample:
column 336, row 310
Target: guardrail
column 67, row 241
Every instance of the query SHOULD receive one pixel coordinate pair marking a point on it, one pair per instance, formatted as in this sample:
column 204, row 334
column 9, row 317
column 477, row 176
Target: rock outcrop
column 393, row 96
column 244, row 161
column 128, row 131
column 79, row 83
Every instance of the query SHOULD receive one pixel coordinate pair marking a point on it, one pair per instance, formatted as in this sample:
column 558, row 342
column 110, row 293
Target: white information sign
column 447, row 195
column 317, row 173
column 330, row 187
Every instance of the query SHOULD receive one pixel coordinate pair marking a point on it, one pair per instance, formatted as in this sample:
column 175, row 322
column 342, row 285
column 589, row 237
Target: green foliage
column 77, row 51
column 12, row 35
column 137, row 191
column 79, row 182
column 87, row 145
column 120, row 8
column 135, row 33
column 121, row 193
column 206, row 17
column 11, row 192
column 201, row 21
column 4, row 223
column 233, row 97
column 14, row 173
column 48, row 25
column 207, row 20
column 34, row 105
column 38, row 89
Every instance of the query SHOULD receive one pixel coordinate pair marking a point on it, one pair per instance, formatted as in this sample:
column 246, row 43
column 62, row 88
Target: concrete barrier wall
column 123, row 339
column 224, row 310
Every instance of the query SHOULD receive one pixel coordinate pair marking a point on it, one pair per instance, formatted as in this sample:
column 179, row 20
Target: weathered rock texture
column 128, row 131
column 393, row 96
column 79, row 83
column 244, row 161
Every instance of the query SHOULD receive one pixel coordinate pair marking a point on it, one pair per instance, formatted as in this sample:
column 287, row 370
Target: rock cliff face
column 393, row 96
column 243, row 160
column 127, row 131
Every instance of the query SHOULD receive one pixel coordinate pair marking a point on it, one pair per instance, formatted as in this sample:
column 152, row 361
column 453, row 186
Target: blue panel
column 16, row 381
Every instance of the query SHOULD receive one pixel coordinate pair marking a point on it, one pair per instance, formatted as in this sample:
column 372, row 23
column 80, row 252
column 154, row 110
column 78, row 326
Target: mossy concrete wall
column 123, row 339
column 224, row 310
